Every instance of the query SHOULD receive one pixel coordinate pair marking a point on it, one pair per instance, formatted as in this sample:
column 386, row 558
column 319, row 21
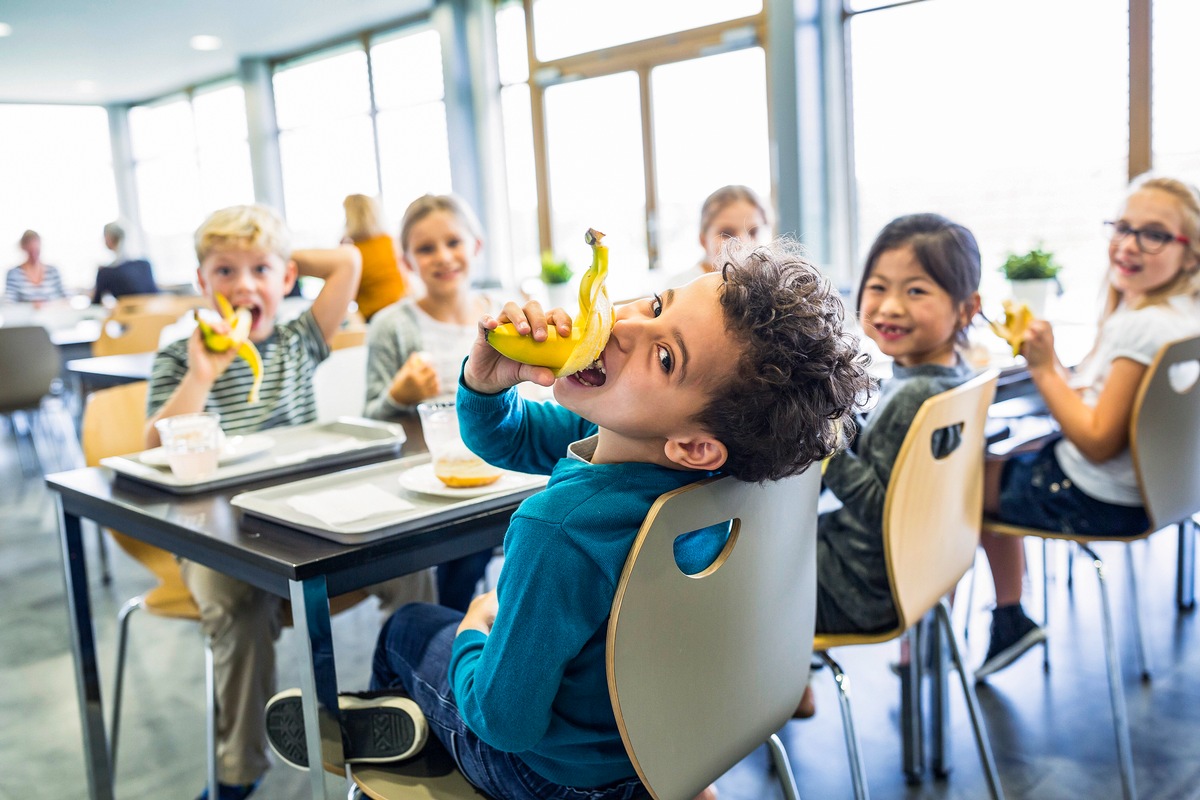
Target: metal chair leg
column 939, row 708
column 970, row 598
column 1185, row 578
column 102, row 548
column 1139, row 639
column 1046, row 600
column 968, row 684
column 119, row 683
column 912, row 738
column 210, row 689
column 857, row 773
column 783, row 768
column 1115, row 686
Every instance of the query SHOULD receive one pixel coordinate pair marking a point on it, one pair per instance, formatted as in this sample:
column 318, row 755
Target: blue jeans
column 413, row 653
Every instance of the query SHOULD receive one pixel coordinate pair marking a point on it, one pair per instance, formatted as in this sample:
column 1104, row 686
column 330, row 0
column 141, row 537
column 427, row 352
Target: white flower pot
column 1036, row 294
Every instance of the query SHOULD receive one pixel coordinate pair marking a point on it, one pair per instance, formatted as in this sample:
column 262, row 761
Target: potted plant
column 1033, row 276
column 557, row 274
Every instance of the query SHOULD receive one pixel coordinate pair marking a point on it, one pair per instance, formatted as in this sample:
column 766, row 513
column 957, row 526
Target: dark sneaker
column 1012, row 634
column 377, row 728
column 228, row 791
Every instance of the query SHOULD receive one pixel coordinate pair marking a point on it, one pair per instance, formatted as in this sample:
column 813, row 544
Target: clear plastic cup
column 453, row 464
column 192, row 443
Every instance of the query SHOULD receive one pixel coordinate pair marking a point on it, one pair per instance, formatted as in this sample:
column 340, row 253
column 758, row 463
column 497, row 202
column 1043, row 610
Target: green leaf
column 1037, row 264
column 555, row 271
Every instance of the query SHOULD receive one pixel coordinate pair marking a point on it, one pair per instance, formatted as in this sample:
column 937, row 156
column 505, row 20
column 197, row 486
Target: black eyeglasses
column 1149, row 241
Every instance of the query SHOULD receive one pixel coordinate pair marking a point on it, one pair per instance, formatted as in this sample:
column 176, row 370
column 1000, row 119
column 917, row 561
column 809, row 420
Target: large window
column 516, row 112
column 326, row 142
column 956, row 113
column 56, row 170
column 1176, row 140
column 190, row 158
column 627, row 126
column 361, row 120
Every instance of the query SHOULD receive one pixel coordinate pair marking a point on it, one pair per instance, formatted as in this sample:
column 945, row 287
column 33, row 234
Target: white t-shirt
column 447, row 344
column 1136, row 335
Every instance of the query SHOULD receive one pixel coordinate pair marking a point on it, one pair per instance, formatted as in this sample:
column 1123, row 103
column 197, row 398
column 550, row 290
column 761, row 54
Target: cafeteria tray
column 299, row 448
column 273, row 503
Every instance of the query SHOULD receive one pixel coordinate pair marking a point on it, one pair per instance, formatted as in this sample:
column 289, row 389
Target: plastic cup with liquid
column 453, row 464
column 192, row 443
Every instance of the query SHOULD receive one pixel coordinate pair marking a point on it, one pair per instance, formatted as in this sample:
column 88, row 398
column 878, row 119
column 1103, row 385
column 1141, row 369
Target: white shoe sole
column 1010, row 653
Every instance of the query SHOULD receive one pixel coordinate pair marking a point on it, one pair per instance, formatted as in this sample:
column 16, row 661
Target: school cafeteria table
column 101, row 372
column 292, row 564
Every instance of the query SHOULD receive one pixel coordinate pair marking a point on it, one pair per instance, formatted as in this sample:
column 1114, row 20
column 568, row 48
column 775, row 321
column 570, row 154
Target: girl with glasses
column 1084, row 482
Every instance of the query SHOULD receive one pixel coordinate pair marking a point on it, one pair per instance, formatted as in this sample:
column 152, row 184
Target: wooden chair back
column 29, row 364
column 703, row 668
column 135, row 333
column 1164, row 436
column 934, row 506
column 171, row 304
column 113, row 424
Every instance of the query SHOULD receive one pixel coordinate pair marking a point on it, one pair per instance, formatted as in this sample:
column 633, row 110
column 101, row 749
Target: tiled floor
column 1051, row 733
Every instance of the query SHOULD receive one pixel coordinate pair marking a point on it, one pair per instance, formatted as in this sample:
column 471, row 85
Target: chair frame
column 928, row 547
column 663, row 713
column 1164, row 440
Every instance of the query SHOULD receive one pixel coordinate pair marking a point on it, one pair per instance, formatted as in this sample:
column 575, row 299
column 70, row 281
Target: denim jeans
column 413, row 653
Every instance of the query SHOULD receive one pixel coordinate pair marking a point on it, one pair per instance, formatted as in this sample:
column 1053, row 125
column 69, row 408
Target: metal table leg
column 83, row 645
column 318, row 679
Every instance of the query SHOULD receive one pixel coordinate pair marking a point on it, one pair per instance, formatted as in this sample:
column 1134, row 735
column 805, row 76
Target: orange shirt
column 382, row 283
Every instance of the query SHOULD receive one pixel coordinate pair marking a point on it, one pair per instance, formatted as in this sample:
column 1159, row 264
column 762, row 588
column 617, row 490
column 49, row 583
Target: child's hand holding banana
column 236, row 338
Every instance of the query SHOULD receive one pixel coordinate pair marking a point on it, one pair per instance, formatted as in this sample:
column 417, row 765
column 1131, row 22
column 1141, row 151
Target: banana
column 1016, row 323
column 239, row 321
column 589, row 329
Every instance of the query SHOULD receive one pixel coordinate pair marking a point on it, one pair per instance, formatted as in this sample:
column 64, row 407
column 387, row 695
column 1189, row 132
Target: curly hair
column 800, row 376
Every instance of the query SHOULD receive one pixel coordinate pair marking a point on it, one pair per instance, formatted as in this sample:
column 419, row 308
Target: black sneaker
column 1012, row 634
column 377, row 728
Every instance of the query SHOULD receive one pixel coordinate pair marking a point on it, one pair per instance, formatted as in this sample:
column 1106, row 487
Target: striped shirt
column 289, row 357
column 19, row 289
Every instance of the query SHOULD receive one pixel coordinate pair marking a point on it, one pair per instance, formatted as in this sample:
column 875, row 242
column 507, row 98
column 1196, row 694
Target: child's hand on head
column 489, row 372
column 417, row 380
column 1038, row 346
column 203, row 363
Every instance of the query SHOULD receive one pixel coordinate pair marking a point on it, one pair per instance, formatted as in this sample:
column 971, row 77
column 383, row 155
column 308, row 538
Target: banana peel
column 590, row 328
column 1017, row 317
column 239, row 321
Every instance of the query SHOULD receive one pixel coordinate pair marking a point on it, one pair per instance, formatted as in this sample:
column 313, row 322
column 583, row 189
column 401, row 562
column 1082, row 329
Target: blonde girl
column 382, row 281
column 415, row 348
column 1084, row 481
column 731, row 212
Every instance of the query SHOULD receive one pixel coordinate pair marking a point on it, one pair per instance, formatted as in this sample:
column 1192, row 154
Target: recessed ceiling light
column 5, row 29
column 206, row 42
column 86, row 87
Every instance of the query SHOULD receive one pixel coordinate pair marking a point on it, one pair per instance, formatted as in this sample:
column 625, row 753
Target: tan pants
column 244, row 623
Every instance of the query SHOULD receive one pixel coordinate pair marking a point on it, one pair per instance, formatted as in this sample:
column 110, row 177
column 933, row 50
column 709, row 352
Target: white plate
column 420, row 479
column 237, row 448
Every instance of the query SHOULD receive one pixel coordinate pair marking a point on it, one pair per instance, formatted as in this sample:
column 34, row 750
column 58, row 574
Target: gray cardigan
column 853, row 592
column 392, row 336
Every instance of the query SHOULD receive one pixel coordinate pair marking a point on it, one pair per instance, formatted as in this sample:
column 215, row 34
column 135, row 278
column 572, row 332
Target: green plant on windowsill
column 555, row 271
column 1036, row 265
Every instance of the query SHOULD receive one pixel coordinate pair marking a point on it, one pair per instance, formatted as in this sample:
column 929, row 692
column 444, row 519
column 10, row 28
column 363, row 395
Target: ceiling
column 114, row 51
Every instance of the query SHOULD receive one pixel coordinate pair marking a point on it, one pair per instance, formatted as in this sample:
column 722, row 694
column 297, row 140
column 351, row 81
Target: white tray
column 293, row 449
column 426, row 509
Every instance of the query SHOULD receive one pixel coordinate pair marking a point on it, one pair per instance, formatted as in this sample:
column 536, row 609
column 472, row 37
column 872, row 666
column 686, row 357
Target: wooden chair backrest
column 1164, row 433
column 172, row 304
column 113, row 424
column 29, row 363
column 934, row 506
column 136, row 333
column 703, row 669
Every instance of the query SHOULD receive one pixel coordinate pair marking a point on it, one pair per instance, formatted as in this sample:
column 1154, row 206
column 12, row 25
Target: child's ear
column 290, row 273
column 203, row 284
column 700, row 451
column 970, row 308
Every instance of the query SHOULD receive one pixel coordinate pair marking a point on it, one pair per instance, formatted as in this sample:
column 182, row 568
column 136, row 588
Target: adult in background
column 382, row 281
column 33, row 281
column 124, row 275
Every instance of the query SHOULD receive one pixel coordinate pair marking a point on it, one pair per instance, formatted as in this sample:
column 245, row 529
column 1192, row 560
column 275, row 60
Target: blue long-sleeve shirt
column 536, row 685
